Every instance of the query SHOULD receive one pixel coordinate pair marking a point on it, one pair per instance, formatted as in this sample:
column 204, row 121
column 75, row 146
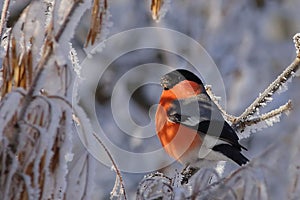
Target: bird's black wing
column 201, row 114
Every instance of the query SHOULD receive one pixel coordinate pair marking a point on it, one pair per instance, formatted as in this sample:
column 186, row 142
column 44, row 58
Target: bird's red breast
column 180, row 142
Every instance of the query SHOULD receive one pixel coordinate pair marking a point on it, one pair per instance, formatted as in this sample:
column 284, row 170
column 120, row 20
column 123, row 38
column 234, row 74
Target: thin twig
column 3, row 16
column 242, row 121
column 266, row 116
column 229, row 117
column 66, row 21
column 296, row 40
column 273, row 87
column 113, row 163
column 282, row 78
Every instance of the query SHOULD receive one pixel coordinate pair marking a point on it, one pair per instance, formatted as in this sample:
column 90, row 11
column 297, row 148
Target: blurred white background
column 250, row 42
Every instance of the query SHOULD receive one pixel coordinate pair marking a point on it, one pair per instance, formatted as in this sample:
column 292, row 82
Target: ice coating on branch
column 296, row 39
column 63, row 6
column 273, row 120
column 155, row 186
column 8, row 108
column 259, row 126
column 75, row 61
column 48, row 11
column 74, row 17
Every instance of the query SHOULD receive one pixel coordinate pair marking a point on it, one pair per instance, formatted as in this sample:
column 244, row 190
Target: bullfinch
column 190, row 126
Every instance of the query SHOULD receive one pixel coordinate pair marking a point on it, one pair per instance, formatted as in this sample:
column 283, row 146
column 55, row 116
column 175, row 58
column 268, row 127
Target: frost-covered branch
column 36, row 113
column 296, row 39
column 266, row 96
column 209, row 91
column 247, row 117
column 118, row 172
column 282, row 109
column 47, row 52
column 155, row 186
column 67, row 19
column 4, row 14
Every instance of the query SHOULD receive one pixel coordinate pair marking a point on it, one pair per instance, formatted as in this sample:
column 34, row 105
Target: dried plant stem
column 273, row 87
column 66, row 21
column 3, row 16
column 48, row 49
column 155, row 8
column 113, row 163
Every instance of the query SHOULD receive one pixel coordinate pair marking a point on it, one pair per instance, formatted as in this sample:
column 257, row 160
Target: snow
column 251, row 44
column 75, row 61
column 8, row 109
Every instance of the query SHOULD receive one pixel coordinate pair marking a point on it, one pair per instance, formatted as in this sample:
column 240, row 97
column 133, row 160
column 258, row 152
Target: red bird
column 189, row 124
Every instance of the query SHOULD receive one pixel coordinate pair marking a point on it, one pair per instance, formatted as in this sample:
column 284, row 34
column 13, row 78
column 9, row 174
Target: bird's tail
column 231, row 152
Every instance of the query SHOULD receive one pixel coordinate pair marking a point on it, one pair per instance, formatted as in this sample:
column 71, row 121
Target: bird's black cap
column 172, row 78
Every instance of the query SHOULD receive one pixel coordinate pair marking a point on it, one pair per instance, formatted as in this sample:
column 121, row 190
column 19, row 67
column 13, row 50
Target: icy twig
column 296, row 40
column 239, row 123
column 286, row 74
column 155, row 186
column 284, row 108
column 118, row 172
column 272, row 88
column 4, row 16
column 62, row 28
column 229, row 117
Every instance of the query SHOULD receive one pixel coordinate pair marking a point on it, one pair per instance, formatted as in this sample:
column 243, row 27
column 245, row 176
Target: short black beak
column 164, row 82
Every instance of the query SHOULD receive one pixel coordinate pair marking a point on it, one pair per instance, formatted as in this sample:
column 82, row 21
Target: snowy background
column 250, row 42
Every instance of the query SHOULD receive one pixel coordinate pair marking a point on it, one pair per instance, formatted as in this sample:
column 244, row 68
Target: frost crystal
column 273, row 120
column 75, row 61
column 69, row 157
column 297, row 42
column 49, row 10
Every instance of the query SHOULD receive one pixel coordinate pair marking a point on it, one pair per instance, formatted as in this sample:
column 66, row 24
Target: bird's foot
column 187, row 173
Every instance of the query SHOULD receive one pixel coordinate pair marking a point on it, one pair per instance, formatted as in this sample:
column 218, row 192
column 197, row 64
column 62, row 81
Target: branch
column 155, row 186
column 229, row 117
column 296, row 40
column 3, row 16
column 266, row 96
column 66, row 21
column 284, row 108
column 114, row 164
column 239, row 123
